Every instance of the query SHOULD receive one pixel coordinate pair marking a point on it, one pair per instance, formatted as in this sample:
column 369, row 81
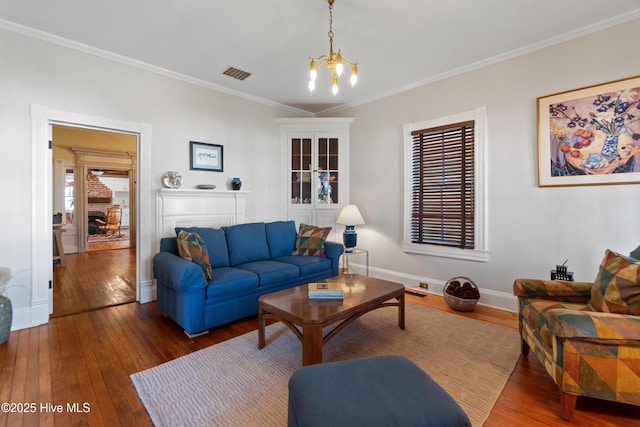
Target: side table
column 354, row 251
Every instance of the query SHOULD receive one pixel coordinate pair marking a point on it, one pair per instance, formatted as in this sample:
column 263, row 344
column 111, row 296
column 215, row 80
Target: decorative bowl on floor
column 461, row 294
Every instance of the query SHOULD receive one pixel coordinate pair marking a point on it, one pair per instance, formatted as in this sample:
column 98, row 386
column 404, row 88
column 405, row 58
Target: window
column 444, row 197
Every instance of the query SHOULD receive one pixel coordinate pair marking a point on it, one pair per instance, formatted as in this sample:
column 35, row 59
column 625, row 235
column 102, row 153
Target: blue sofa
column 248, row 260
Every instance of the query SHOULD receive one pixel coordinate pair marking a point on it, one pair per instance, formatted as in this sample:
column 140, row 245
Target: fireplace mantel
column 198, row 208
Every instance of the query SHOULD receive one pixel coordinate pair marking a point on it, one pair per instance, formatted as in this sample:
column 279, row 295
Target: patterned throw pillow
column 617, row 286
column 310, row 240
column 192, row 248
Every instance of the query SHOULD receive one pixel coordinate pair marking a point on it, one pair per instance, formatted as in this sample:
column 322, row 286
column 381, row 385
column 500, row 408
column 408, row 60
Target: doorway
column 94, row 192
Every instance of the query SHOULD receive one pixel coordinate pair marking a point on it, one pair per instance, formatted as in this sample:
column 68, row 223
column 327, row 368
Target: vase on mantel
column 172, row 180
column 6, row 316
column 236, row 183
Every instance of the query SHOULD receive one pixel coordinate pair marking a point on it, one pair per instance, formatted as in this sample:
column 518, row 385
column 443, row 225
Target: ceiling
column 398, row 45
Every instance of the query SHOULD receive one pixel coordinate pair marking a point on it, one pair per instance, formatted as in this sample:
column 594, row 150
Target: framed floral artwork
column 590, row 136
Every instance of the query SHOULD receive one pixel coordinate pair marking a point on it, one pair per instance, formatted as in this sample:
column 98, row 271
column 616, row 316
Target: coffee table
column 306, row 317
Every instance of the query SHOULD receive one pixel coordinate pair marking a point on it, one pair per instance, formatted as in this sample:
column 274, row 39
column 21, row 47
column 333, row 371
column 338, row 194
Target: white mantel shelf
column 198, row 208
column 189, row 192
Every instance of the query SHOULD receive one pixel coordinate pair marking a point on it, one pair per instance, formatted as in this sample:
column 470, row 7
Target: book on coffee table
column 324, row 290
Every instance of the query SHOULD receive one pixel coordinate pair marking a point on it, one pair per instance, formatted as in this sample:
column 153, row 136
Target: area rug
column 235, row 384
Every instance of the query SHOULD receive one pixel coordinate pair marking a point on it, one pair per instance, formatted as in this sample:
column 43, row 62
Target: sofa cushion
column 308, row 265
column 192, row 248
column 281, row 237
column 534, row 312
column 216, row 244
column 231, row 282
column 310, row 240
column 617, row 286
column 635, row 254
column 272, row 272
column 247, row 243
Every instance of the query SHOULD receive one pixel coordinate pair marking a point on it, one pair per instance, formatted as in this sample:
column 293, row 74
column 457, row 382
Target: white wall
column 37, row 72
column 530, row 228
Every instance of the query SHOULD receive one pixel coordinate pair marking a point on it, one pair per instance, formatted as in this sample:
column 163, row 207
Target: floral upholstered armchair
column 587, row 335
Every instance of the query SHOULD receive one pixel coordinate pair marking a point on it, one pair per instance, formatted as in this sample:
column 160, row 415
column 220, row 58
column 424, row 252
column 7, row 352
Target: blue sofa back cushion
column 281, row 237
column 247, row 243
column 215, row 241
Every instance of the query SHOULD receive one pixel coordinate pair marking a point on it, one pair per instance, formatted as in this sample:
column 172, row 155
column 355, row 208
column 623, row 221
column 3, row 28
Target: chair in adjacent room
column 586, row 335
column 112, row 226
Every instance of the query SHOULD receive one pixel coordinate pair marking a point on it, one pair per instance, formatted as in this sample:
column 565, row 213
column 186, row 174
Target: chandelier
column 333, row 61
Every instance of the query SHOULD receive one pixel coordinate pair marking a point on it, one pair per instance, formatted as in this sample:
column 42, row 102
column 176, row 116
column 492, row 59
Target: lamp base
column 350, row 240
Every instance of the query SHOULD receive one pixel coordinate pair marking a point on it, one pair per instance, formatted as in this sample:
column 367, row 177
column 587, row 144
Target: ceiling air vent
column 236, row 73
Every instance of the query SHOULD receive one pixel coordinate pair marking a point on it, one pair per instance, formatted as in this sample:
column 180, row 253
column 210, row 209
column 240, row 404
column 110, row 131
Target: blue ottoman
column 377, row 391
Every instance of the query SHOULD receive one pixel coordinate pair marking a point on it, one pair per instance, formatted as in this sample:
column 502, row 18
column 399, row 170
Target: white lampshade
column 350, row 215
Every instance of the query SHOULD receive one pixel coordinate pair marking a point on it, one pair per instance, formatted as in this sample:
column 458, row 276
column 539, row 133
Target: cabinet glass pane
column 296, row 149
column 301, row 171
column 323, row 154
column 306, row 154
column 300, row 154
column 333, row 154
column 327, row 188
column 300, row 188
column 328, row 171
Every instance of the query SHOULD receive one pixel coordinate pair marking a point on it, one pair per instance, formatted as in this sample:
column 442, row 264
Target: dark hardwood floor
column 86, row 359
column 93, row 280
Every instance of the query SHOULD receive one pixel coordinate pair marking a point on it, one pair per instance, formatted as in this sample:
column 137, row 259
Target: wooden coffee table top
column 359, row 291
column 306, row 317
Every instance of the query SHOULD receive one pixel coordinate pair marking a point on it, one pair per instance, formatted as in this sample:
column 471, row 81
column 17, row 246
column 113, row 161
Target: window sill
column 441, row 251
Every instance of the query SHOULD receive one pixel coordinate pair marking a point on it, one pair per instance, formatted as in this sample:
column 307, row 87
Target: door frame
column 42, row 118
column 101, row 159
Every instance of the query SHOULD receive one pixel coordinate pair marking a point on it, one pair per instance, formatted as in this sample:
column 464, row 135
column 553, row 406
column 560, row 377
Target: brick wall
column 99, row 196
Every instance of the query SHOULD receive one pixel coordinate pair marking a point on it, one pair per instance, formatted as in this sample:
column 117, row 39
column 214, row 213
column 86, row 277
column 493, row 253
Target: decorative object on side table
column 561, row 273
column 350, row 217
column 172, row 179
column 236, row 183
column 461, row 293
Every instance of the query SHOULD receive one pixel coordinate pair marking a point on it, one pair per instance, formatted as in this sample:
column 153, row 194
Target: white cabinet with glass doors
column 317, row 168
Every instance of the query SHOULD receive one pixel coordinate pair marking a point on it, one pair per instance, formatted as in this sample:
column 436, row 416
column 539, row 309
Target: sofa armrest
column 177, row 273
column 333, row 251
column 594, row 325
column 553, row 289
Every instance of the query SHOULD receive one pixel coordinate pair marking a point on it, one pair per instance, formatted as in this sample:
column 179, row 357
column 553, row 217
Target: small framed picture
column 206, row 157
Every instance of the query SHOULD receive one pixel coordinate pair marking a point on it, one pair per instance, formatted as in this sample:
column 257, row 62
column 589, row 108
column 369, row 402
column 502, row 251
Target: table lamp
column 350, row 217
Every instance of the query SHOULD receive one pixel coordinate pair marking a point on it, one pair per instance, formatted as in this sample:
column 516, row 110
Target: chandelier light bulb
column 334, row 86
column 312, row 85
column 313, row 73
column 339, row 64
column 354, row 74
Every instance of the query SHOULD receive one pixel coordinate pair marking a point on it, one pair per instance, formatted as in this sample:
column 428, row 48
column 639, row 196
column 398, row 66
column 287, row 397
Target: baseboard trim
column 148, row 292
column 488, row 297
column 28, row 317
